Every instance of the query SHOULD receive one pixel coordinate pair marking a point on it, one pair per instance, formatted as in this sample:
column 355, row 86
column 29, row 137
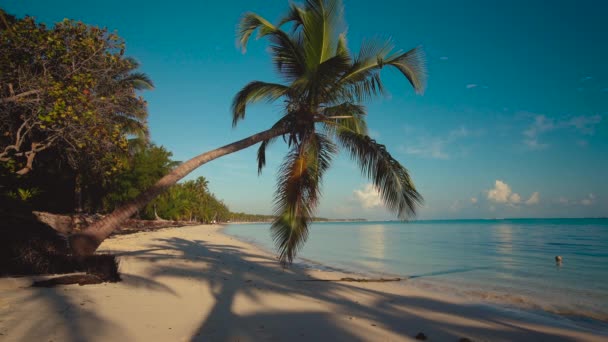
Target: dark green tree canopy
column 324, row 88
column 68, row 88
column 145, row 166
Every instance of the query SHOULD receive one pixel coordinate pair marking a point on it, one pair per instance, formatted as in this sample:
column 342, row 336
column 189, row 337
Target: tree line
column 73, row 126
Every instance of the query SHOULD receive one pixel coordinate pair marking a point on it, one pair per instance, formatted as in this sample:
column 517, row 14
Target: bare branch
column 18, row 96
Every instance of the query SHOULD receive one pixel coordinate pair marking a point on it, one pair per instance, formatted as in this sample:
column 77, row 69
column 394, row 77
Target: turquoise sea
column 510, row 262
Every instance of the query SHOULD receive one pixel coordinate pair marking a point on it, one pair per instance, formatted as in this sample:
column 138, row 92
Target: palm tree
column 323, row 91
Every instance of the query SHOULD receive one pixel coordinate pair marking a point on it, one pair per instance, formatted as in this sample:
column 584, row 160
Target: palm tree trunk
column 87, row 241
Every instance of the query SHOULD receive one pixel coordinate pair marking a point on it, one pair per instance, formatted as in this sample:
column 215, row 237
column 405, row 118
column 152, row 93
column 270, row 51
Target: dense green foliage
column 69, row 105
column 145, row 167
column 244, row 217
column 70, row 89
column 323, row 90
column 73, row 127
column 189, row 201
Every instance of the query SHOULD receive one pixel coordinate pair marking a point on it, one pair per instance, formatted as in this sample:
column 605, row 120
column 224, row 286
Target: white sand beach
column 196, row 283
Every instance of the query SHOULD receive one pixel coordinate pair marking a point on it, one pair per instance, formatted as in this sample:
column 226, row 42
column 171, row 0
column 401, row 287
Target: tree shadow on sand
column 53, row 314
column 235, row 275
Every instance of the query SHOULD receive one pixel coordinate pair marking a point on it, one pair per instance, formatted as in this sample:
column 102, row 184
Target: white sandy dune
column 195, row 283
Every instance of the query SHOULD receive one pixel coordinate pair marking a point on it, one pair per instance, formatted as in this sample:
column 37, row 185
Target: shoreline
column 198, row 283
column 498, row 299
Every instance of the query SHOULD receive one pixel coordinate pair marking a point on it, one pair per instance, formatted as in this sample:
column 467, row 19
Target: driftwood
column 80, row 279
column 356, row 280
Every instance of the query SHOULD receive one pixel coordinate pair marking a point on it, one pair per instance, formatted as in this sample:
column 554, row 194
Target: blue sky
column 514, row 122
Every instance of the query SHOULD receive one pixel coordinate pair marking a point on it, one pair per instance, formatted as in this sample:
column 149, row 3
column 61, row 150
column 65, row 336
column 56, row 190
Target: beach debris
column 465, row 339
column 558, row 259
column 357, row 280
column 421, row 336
column 80, row 279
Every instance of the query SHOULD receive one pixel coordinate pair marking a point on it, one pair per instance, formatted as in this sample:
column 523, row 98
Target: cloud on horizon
column 589, row 200
column 534, row 199
column 503, row 194
column 368, row 197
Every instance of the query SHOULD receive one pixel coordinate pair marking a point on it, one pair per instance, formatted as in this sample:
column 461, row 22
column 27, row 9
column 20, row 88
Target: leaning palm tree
column 323, row 93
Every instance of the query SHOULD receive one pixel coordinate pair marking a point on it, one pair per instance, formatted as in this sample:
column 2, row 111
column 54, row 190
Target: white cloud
column 605, row 90
column 435, row 147
column 534, row 199
column 459, row 132
column 443, row 58
column 586, row 78
column 589, row 200
column 585, row 124
column 474, row 200
column 542, row 124
column 471, row 86
column 502, row 193
column 515, row 198
column 368, row 197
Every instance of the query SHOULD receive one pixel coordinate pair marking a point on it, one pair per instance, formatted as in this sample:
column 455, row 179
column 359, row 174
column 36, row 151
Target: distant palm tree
column 323, row 91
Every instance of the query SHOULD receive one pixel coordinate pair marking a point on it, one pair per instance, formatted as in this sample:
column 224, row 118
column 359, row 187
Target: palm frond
column 254, row 92
column 322, row 21
column 133, row 63
column 345, row 116
column 320, row 84
column 413, row 66
column 248, row 24
column 342, row 47
column 363, row 80
column 288, row 55
column 298, row 192
column 139, row 81
column 293, row 16
column 346, row 108
column 390, row 178
column 287, row 52
column 261, row 154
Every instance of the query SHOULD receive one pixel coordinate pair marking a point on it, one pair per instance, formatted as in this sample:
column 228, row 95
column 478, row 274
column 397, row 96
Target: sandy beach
column 196, row 283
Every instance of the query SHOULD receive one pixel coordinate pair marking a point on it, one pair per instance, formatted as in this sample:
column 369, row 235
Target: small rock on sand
column 421, row 336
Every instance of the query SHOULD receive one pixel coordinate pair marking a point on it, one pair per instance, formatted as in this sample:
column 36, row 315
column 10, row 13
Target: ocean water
column 510, row 262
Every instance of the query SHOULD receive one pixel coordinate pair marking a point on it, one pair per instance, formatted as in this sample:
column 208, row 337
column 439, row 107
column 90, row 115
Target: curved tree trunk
column 87, row 241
